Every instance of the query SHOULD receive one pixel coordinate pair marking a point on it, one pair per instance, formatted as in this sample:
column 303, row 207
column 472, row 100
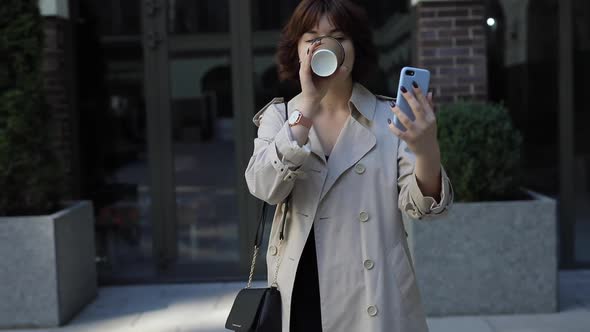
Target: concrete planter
column 488, row 258
column 47, row 266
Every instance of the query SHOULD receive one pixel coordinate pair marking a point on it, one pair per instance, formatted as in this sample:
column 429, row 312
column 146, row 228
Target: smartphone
column 407, row 75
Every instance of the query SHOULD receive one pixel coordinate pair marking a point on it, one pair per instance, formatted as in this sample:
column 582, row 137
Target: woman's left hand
column 420, row 134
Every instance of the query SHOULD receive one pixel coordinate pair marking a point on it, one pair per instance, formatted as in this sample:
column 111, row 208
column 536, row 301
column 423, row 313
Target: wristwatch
column 297, row 117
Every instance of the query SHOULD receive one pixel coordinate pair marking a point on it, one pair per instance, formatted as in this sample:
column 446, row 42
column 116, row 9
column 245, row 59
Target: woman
column 349, row 173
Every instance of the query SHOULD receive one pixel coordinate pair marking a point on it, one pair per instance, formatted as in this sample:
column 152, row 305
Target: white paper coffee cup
column 328, row 57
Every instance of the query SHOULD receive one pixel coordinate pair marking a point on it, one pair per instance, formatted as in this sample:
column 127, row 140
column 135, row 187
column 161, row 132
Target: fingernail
column 403, row 88
column 392, row 103
column 389, row 120
column 415, row 84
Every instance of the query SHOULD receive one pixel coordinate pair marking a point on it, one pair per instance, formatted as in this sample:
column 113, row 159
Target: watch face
column 293, row 117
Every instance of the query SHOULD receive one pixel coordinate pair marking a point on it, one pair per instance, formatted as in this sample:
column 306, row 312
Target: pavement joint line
column 490, row 325
column 136, row 318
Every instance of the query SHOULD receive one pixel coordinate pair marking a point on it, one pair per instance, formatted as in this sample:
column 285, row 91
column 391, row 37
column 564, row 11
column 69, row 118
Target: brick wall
column 58, row 86
column 451, row 43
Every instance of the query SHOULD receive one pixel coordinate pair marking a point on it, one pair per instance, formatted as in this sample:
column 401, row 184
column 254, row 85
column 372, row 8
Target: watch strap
column 305, row 121
column 302, row 120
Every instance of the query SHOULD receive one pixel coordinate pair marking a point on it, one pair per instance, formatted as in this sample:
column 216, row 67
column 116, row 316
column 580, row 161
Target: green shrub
column 480, row 149
column 31, row 177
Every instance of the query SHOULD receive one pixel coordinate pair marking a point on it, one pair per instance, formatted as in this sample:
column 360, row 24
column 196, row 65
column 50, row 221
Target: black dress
column 305, row 301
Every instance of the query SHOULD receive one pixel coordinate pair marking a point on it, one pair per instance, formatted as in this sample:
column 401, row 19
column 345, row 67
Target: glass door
column 581, row 55
column 203, row 140
column 114, row 150
column 199, row 143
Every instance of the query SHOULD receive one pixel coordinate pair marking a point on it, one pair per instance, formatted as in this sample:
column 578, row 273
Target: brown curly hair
column 346, row 16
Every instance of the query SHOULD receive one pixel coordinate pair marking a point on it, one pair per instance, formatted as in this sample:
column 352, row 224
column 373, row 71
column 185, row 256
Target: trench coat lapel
column 355, row 138
column 316, row 147
column 354, row 141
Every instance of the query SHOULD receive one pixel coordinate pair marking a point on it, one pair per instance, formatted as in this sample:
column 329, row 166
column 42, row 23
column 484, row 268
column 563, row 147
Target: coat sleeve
column 277, row 157
column 411, row 201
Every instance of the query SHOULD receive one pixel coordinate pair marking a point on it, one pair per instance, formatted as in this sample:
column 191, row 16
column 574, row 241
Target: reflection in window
column 271, row 14
column 114, row 17
column 581, row 45
column 112, row 135
column 203, row 16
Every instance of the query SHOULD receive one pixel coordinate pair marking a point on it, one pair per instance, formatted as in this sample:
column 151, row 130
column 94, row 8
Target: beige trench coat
column 354, row 202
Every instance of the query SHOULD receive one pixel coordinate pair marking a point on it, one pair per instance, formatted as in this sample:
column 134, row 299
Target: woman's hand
column 420, row 134
column 314, row 87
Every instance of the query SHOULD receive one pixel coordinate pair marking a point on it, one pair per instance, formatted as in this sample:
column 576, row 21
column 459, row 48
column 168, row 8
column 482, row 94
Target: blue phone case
column 422, row 78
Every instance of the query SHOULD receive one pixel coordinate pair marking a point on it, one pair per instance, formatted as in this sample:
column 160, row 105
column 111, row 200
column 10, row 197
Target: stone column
column 450, row 41
column 58, row 69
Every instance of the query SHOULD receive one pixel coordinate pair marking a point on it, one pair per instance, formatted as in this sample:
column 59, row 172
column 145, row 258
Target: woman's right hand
column 314, row 87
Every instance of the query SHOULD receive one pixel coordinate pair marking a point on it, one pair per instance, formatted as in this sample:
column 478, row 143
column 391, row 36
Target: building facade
column 153, row 101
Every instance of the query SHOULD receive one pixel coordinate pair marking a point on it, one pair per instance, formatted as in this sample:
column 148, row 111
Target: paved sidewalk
column 204, row 307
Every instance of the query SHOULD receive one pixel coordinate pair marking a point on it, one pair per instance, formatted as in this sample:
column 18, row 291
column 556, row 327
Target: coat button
column 359, row 168
column 372, row 310
column 273, row 250
column 363, row 216
column 369, row 264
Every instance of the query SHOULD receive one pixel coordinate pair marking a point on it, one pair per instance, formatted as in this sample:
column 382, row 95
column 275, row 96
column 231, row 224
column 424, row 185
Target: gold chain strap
column 274, row 281
column 253, row 264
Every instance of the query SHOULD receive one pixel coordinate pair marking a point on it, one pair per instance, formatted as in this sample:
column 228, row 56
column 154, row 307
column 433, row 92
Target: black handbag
column 259, row 309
